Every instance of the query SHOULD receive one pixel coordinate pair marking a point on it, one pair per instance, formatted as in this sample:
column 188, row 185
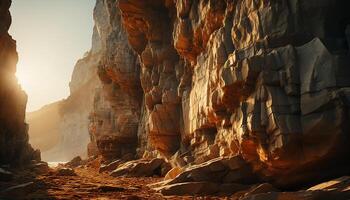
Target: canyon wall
column 65, row 133
column 15, row 148
column 265, row 80
column 117, row 106
column 68, row 120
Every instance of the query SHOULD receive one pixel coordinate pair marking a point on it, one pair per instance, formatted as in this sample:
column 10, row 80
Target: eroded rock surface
column 116, row 113
column 263, row 79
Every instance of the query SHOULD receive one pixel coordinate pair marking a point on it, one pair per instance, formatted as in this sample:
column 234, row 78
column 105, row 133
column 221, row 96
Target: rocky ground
column 84, row 180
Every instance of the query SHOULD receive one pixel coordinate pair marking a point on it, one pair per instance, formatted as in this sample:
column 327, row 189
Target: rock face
column 117, row 109
column 14, row 145
column 265, row 80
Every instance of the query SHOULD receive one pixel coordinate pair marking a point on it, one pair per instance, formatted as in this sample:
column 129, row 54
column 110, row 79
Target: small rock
column 75, row 162
column 5, row 175
column 111, row 166
column 41, row 168
column 66, row 172
column 173, row 173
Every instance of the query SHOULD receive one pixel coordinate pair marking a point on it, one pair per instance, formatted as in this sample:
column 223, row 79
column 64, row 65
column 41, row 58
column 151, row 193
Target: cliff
column 68, row 120
column 264, row 80
column 116, row 112
column 64, row 134
column 15, row 149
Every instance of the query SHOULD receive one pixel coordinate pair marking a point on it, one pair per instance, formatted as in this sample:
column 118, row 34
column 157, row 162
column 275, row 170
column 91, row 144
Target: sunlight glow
column 51, row 36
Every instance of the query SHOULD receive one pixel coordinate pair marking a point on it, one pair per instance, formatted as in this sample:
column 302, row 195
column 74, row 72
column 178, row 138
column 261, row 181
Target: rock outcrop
column 14, row 146
column 117, row 111
column 265, row 80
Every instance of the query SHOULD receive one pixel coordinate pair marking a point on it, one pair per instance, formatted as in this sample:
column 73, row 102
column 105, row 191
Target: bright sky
column 51, row 36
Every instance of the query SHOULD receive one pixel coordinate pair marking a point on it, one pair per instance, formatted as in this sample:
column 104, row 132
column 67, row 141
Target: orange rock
column 173, row 173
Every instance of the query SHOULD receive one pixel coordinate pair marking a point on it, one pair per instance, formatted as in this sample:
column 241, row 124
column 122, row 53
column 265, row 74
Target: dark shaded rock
column 19, row 190
column 15, row 149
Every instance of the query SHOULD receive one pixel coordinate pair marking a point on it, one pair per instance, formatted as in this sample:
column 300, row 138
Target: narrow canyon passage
column 188, row 99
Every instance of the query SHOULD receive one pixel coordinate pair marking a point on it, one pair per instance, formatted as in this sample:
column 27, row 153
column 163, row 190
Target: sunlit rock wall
column 117, row 105
column 14, row 146
column 264, row 79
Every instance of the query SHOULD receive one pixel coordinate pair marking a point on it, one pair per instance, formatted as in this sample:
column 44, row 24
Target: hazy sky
column 51, row 36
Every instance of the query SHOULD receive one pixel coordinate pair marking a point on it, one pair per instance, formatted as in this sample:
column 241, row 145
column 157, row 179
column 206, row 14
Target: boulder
column 41, row 168
column 220, row 170
column 110, row 166
column 140, row 168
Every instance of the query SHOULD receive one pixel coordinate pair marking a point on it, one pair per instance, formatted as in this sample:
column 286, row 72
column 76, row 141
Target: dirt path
column 87, row 184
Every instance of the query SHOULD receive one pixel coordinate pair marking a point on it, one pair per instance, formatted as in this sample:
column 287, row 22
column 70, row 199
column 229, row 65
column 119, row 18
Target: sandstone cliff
column 15, row 148
column 117, row 105
column 265, row 80
column 64, row 134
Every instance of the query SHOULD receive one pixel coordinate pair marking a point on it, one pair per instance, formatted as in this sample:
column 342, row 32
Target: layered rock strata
column 15, row 149
column 116, row 111
column 263, row 79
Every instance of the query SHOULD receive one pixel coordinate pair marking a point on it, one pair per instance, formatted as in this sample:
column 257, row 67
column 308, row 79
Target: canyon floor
column 83, row 179
column 86, row 184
